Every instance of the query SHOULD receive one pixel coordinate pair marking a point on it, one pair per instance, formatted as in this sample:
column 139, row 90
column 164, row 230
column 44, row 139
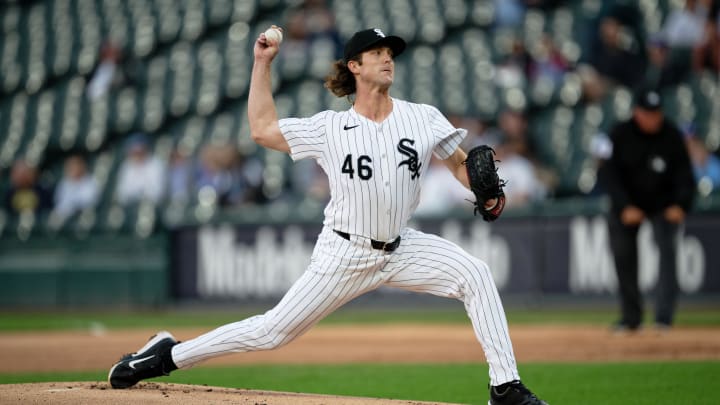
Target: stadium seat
column 189, row 63
column 169, row 21
column 483, row 13
column 17, row 111
column 73, row 113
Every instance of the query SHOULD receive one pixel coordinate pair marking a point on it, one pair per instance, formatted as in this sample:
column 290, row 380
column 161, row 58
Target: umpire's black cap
column 366, row 39
column 648, row 99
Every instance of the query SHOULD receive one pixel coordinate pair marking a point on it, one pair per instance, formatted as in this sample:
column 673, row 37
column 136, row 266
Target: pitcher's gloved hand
column 485, row 182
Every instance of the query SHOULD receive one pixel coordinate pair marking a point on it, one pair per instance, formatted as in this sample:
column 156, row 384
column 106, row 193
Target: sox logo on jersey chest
column 412, row 157
column 374, row 168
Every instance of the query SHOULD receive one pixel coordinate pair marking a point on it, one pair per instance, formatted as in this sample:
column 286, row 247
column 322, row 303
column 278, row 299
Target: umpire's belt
column 376, row 244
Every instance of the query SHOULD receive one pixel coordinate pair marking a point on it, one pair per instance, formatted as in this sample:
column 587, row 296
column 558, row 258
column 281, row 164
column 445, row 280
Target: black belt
column 376, row 244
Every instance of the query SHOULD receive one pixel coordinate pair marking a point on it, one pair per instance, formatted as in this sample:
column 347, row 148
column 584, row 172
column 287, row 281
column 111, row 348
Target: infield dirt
column 99, row 349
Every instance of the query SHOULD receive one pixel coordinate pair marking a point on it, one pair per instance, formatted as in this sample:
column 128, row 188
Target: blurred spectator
column 685, row 27
column 294, row 57
column 513, row 128
column 543, row 61
column 625, row 13
column 509, row 13
column 614, row 50
column 25, row 193
column 617, row 60
column 252, row 171
column 77, row 188
column 514, row 135
column 307, row 179
column 706, row 54
column 441, row 193
column 690, row 35
column 320, row 24
column 548, row 63
column 218, row 171
column 180, row 172
column 142, row 175
column 664, row 69
column 479, row 132
column 706, row 166
column 233, row 180
column 108, row 73
column 515, row 68
column 523, row 186
column 310, row 39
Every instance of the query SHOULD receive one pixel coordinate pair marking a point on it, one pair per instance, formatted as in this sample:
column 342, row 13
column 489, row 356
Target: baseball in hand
column 274, row 34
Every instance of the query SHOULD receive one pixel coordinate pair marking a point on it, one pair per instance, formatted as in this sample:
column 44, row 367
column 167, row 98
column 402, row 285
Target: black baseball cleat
column 152, row 360
column 513, row 393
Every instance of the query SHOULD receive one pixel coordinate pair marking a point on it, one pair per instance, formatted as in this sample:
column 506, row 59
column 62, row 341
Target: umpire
column 648, row 177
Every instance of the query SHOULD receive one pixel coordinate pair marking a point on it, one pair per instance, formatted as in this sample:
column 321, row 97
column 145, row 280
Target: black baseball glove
column 485, row 182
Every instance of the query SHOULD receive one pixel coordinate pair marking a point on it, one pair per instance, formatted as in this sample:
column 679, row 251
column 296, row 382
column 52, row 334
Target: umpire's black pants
column 624, row 244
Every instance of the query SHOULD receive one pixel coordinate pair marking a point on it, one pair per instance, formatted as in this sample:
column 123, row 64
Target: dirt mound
column 79, row 393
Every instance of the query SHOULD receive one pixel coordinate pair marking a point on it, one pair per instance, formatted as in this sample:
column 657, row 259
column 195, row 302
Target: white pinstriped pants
column 341, row 270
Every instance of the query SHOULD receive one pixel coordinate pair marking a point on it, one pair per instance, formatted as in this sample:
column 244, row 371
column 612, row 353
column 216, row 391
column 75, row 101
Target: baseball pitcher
column 375, row 155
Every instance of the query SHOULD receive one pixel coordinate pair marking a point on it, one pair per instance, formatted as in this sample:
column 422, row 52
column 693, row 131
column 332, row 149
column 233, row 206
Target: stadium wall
column 563, row 255
column 227, row 261
column 101, row 270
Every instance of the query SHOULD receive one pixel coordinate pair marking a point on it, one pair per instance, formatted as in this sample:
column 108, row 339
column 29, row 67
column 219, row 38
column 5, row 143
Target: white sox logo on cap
column 653, row 98
column 366, row 39
column 648, row 99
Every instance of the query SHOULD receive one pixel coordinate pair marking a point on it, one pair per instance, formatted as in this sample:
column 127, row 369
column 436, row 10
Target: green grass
column 610, row 383
column 606, row 384
column 59, row 320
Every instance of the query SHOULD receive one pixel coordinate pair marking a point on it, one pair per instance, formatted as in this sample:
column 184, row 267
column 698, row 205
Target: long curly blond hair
column 341, row 81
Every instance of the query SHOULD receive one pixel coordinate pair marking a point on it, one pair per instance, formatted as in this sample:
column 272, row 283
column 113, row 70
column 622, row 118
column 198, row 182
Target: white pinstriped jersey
column 374, row 169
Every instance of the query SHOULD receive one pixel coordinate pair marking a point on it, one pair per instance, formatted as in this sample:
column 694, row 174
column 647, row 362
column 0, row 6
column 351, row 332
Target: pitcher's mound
column 77, row 393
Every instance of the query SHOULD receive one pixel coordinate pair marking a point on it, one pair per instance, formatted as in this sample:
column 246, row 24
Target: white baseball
column 274, row 34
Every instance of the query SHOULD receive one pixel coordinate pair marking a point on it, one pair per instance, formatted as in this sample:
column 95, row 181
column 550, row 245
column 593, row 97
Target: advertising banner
column 525, row 255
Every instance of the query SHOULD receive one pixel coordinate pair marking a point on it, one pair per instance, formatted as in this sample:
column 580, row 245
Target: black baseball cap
column 366, row 39
column 648, row 99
